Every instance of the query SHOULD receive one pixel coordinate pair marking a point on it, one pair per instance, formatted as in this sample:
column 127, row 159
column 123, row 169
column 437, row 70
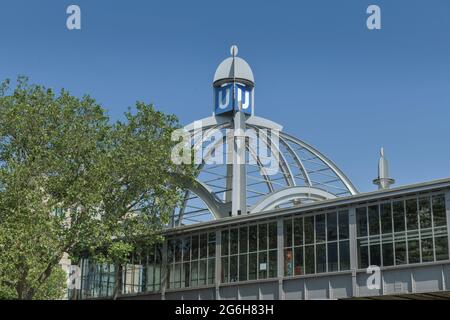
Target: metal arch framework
column 294, row 191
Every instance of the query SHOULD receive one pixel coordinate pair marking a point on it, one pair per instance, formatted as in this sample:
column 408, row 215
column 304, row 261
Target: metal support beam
column 353, row 250
column 239, row 196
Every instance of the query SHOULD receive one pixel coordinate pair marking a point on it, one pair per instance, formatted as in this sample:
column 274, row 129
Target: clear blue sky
column 318, row 70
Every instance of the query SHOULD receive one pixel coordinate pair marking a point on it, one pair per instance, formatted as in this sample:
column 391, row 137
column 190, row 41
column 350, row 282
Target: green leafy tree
column 73, row 182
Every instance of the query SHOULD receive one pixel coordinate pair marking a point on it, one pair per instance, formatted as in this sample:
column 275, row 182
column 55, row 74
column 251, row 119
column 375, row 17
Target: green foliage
column 70, row 181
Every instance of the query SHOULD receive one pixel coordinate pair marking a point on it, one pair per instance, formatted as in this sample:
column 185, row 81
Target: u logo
column 223, row 105
column 246, row 103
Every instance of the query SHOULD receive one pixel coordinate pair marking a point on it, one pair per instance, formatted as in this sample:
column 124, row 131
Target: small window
column 400, row 252
column 262, row 236
column 439, row 214
column 298, row 261
column 332, row 226
column 252, row 266
column 333, row 257
column 413, row 251
column 320, row 228
column 252, row 238
column 388, row 254
column 441, row 244
column 287, row 233
column 234, row 241
column 243, row 240
column 298, row 231
column 273, row 235
column 374, row 220
column 386, row 218
column 399, row 216
column 343, row 225
column 427, row 249
column 425, row 213
column 375, row 255
column 361, row 222
column 242, row 267
column 225, row 247
column 363, row 254
column 309, row 229
column 411, row 214
column 309, row 259
column 344, row 255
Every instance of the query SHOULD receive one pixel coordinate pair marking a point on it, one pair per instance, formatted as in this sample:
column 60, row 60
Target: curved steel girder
column 287, row 194
column 215, row 206
column 287, row 173
column 351, row 188
column 298, row 160
column 252, row 153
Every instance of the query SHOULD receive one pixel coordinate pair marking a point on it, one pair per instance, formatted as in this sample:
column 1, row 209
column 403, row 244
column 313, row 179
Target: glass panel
column 425, row 212
column 170, row 251
column 427, row 250
column 187, row 249
column 273, row 235
column 211, row 270
column 413, row 251
column 202, row 273
column 298, row 256
column 273, row 264
column 343, row 225
column 262, row 266
column 399, row 216
column 287, row 232
column 439, row 214
column 195, row 247
column 388, row 254
column 309, row 259
column 361, row 222
column 332, row 226
column 321, row 258
column 252, row 266
column 332, row 257
column 243, row 240
column 320, row 228
column 178, row 246
column 441, row 244
column 298, row 231
column 344, row 255
column 262, row 237
column 186, row 272
column 194, row 273
column 252, row 238
column 243, row 267
column 225, row 269
column 374, row 220
column 225, row 243
column 234, row 241
column 386, row 218
column 203, row 246
column 233, row 268
column 411, row 214
column 363, row 254
column 309, row 229
column 177, row 276
column 211, row 244
column 288, row 262
column 375, row 255
column 400, row 252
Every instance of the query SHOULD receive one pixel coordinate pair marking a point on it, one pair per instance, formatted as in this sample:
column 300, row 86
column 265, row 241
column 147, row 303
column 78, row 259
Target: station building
column 271, row 217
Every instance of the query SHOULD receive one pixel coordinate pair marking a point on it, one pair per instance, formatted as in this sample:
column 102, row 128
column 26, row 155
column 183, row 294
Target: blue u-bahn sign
column 231, row 96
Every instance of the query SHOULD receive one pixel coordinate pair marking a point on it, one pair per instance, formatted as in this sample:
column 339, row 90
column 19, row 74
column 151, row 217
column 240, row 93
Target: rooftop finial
column 383, row 181
column 234, row 50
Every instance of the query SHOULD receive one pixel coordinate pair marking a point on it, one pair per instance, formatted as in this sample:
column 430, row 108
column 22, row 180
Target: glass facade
column 249, row 252
column 402, row 231
column 316, row 244
column 191, row 260
column 393, row 232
